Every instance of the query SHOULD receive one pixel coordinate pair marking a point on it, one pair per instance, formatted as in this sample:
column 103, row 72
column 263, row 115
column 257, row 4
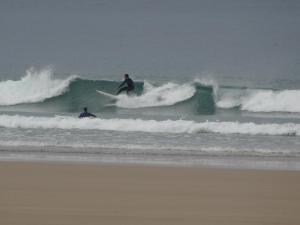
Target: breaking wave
column 35, row 86
column 39, row 87
column 165, row 95
column 262, row 100
column 152, row 126
column 73, row 93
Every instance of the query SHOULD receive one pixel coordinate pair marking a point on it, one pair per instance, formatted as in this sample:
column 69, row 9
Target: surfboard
column 107, row 94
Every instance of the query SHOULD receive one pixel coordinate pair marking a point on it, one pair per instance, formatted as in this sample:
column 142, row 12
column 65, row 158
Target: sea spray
column 35, row 86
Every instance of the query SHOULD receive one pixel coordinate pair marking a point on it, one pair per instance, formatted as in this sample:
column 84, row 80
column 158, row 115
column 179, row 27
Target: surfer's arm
column 92, row 115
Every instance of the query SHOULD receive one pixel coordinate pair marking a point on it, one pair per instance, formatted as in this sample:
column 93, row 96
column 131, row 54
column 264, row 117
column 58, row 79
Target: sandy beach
column 45, row 193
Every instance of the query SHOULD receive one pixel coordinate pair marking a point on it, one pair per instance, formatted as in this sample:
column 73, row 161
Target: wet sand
column 49, row 193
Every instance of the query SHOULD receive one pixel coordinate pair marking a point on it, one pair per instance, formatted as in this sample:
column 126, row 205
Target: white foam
column 139, row 125
column 206, row 81
column 35, row 86
column 230, row 99
column 227, row 103
column 273, row 101
column 262, row 101
column 165, row 95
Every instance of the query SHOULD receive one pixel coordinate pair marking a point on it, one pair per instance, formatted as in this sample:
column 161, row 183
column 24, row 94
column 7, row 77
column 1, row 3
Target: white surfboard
column 107, row 94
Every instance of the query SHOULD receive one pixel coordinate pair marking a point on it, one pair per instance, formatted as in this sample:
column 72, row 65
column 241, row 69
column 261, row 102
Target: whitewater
column 196, row 122
column 35, row 86
column 262, row 101
column 40, row 86
column 153, row 126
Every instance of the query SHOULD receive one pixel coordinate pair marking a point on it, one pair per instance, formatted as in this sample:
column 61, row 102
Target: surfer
column 129, row 87
column 86, row 113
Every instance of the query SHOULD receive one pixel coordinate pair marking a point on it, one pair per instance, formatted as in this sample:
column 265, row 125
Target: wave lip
column 165, row 95
column 35, row 86
column 152, row 126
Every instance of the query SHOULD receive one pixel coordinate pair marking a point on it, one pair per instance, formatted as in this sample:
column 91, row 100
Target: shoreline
column 68, row 193
column 271, row 163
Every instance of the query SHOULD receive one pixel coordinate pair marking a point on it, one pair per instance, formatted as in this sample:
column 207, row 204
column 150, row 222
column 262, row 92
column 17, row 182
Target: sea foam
column 152, row 126
column 164, row 95
column 35, row 86
column 261, row 100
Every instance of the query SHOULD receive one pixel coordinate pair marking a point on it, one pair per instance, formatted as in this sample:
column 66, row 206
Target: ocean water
column 192, row 123
column 217, row 82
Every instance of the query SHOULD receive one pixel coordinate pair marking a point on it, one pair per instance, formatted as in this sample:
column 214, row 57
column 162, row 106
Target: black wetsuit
column 128, row 88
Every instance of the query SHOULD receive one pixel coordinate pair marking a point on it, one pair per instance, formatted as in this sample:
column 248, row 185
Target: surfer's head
column 126, row 76
column 85, row 109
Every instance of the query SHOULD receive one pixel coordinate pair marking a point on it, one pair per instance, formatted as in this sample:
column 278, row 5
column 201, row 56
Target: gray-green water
column 217, row 82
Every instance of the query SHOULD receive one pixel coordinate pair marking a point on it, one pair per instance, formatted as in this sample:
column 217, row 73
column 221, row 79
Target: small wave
column 262, row 100
column 273, row 101
column 152, row 126
column 165, row 95
column 35, row 86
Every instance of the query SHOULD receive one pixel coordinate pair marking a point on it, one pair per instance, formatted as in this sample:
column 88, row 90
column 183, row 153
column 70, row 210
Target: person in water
column 86, row 113
column 129, row 87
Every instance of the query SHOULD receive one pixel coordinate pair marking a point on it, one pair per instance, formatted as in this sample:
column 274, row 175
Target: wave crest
column 262, row 100
column 35, row 86
column 201, row 96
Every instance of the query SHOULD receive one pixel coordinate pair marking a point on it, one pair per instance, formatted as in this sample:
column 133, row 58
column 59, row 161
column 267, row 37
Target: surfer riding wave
column 130, row 85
